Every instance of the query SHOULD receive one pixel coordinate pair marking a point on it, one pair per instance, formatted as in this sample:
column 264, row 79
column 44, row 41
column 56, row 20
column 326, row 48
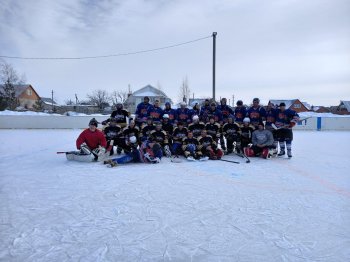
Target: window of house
column 297, row 106
column 29, row 92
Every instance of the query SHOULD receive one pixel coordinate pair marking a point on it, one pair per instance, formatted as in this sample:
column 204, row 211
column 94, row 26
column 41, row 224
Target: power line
column 106, row 56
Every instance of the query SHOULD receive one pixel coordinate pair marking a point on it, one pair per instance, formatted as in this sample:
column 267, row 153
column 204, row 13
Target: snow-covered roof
column 149, row 91
column 19, row 89
column 346, row 104
column 287, row 102
column 307, row 105
column 48, row 101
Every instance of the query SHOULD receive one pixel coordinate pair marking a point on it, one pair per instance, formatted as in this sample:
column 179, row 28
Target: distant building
column 342, row 109
column 137, row 97
column 49, row 104
column 320, row 109
column 293, row 104
column 25, row 94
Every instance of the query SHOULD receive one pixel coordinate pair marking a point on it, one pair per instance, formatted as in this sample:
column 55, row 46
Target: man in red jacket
column 92, row 141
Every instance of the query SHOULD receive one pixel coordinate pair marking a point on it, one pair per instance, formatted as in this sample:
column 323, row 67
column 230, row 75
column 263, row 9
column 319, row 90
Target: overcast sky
column 272, row 49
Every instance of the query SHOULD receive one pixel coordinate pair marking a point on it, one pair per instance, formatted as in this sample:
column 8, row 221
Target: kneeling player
column 208, row 146
column 190, row 147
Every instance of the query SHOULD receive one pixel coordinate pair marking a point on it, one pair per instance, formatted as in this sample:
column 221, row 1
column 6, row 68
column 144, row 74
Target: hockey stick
column 241, row 155
column 65, row 152
column 230, row 161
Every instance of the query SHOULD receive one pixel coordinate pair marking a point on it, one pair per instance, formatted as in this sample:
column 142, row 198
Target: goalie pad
column 248, row 152
column 80, row 157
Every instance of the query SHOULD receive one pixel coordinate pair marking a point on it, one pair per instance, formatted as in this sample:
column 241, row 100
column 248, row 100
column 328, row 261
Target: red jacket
column 92, row 139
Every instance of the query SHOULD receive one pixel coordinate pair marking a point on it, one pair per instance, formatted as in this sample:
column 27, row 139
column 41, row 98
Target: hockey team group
column 203, row 132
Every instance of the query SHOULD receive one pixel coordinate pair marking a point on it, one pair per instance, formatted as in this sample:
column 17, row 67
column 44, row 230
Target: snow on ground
column 268, row 210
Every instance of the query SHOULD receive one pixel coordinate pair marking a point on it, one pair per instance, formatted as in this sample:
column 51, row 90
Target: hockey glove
column 99, row 151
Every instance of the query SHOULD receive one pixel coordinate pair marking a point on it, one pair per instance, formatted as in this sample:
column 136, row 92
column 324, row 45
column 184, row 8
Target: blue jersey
column 256, row 115
column 156, row 113
column 194, row 112
column 240, row 113
column 286, row 119
column 203, row 114
column 183, row 115
column 216, row 114
column 270, row 118
column 142, row 110
column 226, row 111
column 171, row 113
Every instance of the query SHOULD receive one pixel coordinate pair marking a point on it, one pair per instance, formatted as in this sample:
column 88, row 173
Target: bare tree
column 119, row 96
column 69, row 102
column 185, row 90
column 9, row 78
column 99, row 97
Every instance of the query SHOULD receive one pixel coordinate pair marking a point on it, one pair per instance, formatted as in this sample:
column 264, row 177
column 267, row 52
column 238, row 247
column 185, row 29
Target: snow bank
column 268, row 210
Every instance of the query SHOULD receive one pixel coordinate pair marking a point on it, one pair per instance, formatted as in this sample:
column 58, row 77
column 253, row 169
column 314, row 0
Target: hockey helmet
column 166, row 116
column 133, row 139
column 246, row 120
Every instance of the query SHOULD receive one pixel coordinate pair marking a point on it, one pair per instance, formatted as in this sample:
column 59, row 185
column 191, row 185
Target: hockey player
column 216, row 113
column 147, row 129
column 170, row 112
column 160, row 136
column 168, row 128
column 195, row 111
column 148, row 152
column 246, row 133
column 121, row 115
column 203, row 115
column 270, row 120
column 113, row 134
column 256, row 113
column 179, row 133
column 190, row 147
column 142, row 111
column 208, row 146
column 91, row 143
column 156, row 112
column 226, row 110
column 285, row 121
column 196, row 126
column 183, row 114
column 232, row 133
column 262, row 141
column 130, row 131
column 213, row 129
column 240, row 112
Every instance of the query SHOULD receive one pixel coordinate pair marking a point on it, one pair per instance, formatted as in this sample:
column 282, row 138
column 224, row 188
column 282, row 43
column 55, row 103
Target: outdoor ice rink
column 268, row 210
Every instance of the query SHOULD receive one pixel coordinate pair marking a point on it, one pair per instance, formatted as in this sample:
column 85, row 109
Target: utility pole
column 214, row 56
column 52, row 100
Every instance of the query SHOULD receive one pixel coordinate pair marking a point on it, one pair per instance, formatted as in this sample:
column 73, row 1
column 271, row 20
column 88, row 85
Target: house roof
column 48, row 101
column 287, row 102
column 149, row 91
column 346, row 104
column 19, row 89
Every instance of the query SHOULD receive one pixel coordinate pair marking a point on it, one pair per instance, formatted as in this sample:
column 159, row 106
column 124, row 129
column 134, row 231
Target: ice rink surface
column 268, row 210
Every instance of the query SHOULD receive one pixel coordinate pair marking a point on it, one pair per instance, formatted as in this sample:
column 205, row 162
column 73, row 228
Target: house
column 25, row 94
column 49, row 104
column 293, row 104
column 342, row 109
column 137, row 97
column 320, row 109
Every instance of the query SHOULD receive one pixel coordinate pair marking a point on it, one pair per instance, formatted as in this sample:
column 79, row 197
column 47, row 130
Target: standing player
column 120, row 114
column 183, row 114
column 156, row 112
column 240, row 112
column 256, row 113
column 285, row 121
column 170, row 112
column 142, row 111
